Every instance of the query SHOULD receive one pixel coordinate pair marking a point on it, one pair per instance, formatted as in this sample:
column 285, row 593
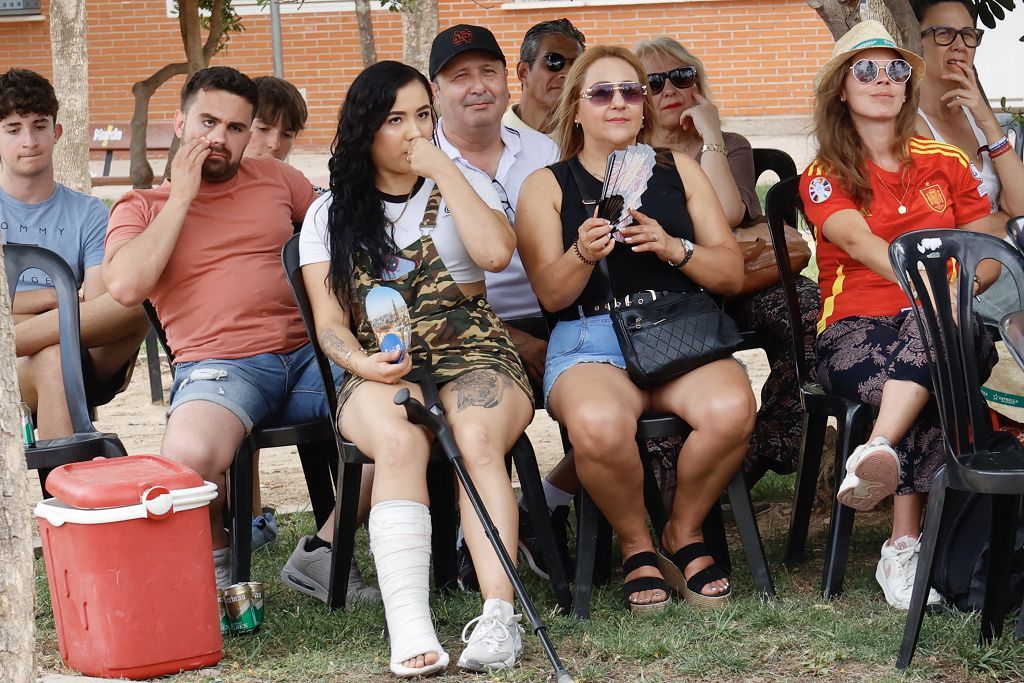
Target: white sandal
column 872, row 475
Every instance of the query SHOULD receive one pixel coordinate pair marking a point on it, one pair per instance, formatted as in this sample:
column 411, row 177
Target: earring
column 842, row 97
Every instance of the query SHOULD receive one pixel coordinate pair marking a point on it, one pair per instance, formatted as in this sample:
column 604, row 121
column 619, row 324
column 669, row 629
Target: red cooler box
column 129, row 560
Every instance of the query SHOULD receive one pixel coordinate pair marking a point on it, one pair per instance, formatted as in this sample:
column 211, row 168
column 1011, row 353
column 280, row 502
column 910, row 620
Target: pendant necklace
column 587, row 169
column 902, row 202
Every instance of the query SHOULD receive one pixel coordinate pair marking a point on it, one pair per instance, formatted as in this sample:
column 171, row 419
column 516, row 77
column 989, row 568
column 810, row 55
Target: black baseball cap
column 460, row 38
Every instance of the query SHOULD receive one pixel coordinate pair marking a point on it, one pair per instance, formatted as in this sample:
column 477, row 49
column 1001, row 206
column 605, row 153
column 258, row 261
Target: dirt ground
column 140, row 424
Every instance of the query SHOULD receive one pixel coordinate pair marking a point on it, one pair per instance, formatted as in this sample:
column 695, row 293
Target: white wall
column 1000, row 59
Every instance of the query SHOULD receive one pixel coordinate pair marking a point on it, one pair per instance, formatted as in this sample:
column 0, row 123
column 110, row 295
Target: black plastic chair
column 1015, row 229
column 85, row 443
column 1012, row 329
column 317, row 452
column 593, row 537
column 440, row 482
column 967, row 430
column 853, row 419
column 1014, row 131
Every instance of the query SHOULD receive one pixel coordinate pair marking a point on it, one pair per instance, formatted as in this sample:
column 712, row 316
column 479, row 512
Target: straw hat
column 865, row 36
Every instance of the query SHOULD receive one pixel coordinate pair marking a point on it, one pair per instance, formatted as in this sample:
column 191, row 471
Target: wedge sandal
column 643, row 583
column 672, row 566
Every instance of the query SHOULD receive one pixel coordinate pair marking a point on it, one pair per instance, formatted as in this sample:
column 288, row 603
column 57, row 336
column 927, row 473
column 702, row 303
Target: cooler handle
column 58, row 513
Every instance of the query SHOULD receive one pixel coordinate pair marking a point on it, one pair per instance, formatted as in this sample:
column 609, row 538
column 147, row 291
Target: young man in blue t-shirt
column 35, row 209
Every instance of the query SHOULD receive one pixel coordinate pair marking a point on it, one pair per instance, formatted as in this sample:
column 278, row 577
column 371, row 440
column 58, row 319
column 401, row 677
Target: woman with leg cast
column 679, row 241
column 401, row 215
column 873, row 181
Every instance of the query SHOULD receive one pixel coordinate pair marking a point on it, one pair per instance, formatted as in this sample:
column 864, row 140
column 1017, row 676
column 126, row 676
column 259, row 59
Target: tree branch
column 839, row 15
column 141, row 172
column 216, row 29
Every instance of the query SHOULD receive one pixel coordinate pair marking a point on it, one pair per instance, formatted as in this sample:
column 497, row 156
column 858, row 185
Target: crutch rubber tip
column 565, row 677
column 401, row 397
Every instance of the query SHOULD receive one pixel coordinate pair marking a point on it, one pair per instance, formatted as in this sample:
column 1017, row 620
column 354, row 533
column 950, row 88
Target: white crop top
column 314, row 246
column 988, row 172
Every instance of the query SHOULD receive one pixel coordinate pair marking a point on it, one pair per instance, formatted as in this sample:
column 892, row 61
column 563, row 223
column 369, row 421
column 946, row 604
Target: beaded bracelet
column 580, row 256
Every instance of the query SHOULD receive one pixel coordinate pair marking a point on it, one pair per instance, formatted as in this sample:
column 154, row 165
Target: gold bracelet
column 345, row 362
column 714, row 148
column 580, row 256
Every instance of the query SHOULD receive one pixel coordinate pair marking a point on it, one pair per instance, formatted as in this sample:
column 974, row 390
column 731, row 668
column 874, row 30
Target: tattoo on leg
column 484, row 388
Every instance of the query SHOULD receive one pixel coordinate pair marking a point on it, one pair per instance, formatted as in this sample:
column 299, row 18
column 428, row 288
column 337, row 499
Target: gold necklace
column 906, row 191
column 599, row 176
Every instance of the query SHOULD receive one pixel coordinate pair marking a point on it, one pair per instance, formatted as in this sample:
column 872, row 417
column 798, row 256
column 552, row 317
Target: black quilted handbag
column 675, row 333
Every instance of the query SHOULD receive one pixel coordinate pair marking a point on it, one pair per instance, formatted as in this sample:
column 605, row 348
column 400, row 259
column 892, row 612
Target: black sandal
column 644, row 583
column 672, row 566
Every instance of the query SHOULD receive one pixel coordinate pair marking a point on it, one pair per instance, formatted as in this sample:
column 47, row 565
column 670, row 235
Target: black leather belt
column 586, row 311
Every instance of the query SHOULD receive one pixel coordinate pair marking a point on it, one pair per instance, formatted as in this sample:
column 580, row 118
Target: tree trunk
column 71, row 81
column 419, row 26
column 366, row 43
column 17, row 624
column 898, row 18
column 839, row 15
column 141, row 172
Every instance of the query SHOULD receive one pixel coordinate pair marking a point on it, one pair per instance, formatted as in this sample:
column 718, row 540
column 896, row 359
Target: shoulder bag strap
column 588, row 205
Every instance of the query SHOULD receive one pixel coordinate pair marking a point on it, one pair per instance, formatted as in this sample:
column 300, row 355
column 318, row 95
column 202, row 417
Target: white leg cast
column 400, row 542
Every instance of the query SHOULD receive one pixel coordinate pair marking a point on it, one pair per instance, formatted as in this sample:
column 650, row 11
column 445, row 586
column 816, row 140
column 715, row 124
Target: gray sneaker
column 496, row 641
column 309, row 572
column 222, row 567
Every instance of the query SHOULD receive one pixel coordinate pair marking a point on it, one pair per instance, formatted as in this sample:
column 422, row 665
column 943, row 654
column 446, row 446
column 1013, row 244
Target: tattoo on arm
column 334, row 348
column 484, row 388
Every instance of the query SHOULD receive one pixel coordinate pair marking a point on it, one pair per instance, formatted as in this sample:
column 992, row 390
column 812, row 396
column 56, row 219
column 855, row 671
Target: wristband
column 999, row 151
column 995, row 149
column 580, row 256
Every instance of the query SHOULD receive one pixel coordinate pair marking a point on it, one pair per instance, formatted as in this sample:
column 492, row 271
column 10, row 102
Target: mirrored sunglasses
column 602, row 94
column 681, row 78
column 945, row 35
column 866, row 70
column 556, row 62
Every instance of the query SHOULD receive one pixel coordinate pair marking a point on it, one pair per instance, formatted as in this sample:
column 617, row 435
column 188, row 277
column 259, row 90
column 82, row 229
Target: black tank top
column 664, row 201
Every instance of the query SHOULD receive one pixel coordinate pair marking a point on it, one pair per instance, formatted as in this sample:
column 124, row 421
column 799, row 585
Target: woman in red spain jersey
column 874, row 180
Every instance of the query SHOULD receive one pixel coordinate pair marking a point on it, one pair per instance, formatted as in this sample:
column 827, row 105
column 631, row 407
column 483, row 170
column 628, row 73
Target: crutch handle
column 416, row 411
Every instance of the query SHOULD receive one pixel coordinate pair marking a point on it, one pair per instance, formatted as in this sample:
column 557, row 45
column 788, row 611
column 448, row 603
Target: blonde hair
column 840, row 148
column 673, row 49
column 567, row 134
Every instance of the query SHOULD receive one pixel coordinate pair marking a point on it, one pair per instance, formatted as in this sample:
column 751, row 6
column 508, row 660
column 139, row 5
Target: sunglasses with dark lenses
column 866, row 70
column 602, row 94
column 945, row 35
column 682, row 78
column 556, row 62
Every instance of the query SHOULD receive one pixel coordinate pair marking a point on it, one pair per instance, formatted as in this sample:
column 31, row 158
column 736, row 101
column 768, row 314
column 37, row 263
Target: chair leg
column 346, row 509
column 1000, row 555
column 586, row 554
column 852, row 430
column 314, row 459
column 714, row 538
column 240, row 492
column 750, row 535
column 922, row 580
column 533, row 493
column 1019, row 633
column 806, row 485
column 156, row 380
column 441, row 484
column 652, row 494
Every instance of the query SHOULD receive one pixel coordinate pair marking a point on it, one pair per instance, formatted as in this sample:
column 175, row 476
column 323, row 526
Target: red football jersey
column 941, row 189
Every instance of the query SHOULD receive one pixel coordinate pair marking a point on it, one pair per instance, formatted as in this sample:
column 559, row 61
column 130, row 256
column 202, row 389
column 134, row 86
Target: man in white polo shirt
column 548, row 50
column 470, row 82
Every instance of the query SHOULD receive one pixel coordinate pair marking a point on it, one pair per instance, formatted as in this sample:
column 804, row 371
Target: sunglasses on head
column 602, row 94
column 682, row 77
column 866, row 70
column 945, row 35
column 555, row 62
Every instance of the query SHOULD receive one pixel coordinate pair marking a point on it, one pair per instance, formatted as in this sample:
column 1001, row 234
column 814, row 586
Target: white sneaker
column 872, row 474
column 496, row 642
column 896, row 571
column 222, row 567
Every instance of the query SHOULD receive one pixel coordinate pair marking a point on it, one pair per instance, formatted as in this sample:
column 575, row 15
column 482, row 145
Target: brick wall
column 760, row 54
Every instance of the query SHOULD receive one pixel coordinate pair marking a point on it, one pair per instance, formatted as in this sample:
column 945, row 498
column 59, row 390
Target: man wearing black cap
column 470, row 84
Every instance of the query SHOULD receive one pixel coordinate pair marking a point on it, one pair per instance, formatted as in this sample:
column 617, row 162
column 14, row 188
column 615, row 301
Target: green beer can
column 256, row 599
column 238, row 604
column 225, row 624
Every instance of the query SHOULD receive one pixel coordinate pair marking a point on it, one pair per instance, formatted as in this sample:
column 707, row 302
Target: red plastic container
column 129, row 560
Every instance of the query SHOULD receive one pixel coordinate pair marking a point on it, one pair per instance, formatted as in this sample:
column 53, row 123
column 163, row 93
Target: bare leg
column 488, row 412
column 722, row 422
column 907, row 511
column 902, row 401
column 599, row 407
column 563, row 475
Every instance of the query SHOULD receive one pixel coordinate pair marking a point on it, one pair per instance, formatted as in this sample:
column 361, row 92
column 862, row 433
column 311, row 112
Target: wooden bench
column 117, row 137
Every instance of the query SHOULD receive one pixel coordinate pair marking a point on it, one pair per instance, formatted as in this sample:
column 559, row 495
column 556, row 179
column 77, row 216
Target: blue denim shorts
column 269, row 389
column 587, row 340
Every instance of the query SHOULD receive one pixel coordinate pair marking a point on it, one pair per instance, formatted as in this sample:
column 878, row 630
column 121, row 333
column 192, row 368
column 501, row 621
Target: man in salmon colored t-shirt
column 205, row 249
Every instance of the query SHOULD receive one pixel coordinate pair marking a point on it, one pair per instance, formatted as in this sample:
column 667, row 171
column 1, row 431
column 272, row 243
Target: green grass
column 796, row 636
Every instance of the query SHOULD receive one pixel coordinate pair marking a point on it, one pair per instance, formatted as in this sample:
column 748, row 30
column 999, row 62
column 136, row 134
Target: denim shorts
column 587, row 340
column 268, row 389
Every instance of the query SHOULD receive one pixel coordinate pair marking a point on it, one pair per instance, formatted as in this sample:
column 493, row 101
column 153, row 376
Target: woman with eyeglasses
column 679, row 241
column 873, row 181
column 954, row 110
column 401, row 215
column 690, row 124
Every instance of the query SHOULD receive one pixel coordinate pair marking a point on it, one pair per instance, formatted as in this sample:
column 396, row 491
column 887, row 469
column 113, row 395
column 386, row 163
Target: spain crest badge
column 934, row 198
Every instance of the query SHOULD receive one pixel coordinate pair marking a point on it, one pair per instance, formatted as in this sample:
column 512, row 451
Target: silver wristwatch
column 687, row 253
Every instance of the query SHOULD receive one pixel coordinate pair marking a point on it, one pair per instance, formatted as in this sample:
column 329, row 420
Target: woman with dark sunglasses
column 690, row 124
column 873, row 181
column 401, row 215
column 954, row 110
column 679, row 241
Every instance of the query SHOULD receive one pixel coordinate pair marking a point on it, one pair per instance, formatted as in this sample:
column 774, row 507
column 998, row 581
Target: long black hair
column 356, row 221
